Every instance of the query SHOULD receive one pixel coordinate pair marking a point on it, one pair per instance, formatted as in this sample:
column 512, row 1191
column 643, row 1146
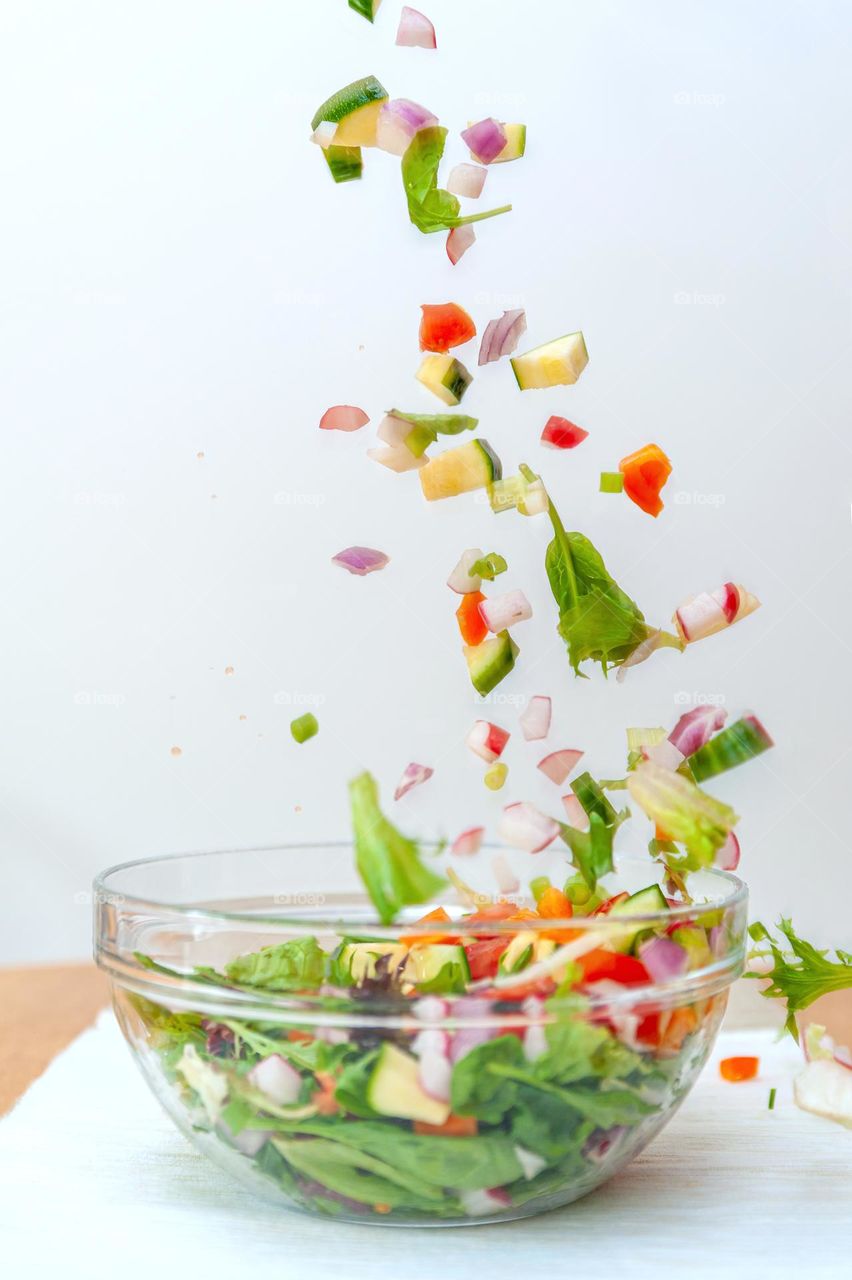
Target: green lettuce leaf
column 388, row 862
column 687, row 814
column 429, row 206
column 286, row 967
column 800, row 972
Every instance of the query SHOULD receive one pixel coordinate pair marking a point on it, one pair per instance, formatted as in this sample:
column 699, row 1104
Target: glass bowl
column 329, row 1065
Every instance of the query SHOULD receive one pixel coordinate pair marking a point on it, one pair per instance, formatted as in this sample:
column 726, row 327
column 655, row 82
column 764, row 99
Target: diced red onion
column 415, row 31
column 665, row 754
column 397, row 457
column 575, row 813
column 559, row 764
column 531, row 1163
column 479, row 1204
column 502, row 336
column 468, row 843
column 413, row 775
column 467, row 180
column 361, row 560
column 603, row 1143
column 487, row 740
column 524, row 827
column 728, row 857
column 461, row 580
column 459, row 241
column 696, row 727
column 507, row 881
column 663, row 959
column 324, row 133
column 277, row 1079
column 504, row 611
column 434, row 1074
column 486, row 139
column 399, row 120
column 429, row 1009
column 535, row 718
column 343, row 417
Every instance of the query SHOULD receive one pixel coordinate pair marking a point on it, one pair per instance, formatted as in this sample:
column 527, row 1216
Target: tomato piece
column 438, row 916
column 444, row 325
column 738, row 1069
column 555, row 905
column 471, row 622
column 614, row 966
column 453, row 1127
column 483, row 956
column 559, row 433
column 645, row 472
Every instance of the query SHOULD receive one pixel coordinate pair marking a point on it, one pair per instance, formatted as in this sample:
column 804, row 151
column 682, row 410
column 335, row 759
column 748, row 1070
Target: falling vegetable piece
column 472, row 625
column 575, row 813
column 502, row 336
column 689, row 815
column 645, row 473
column 500, row 612
column 399, row 119
column 430, row 207
column 343, row 417
column 507, row 881
column 611, row 482
column 535, row 718
column 489, row 567
column 736, row 1070
column 496, row 775
column 559, row 764
column 355, row 111
column 485, row 139
column 367, row 8
column 490, row 662
column 800, row 973
column 711, row 611
column 462, row 580
column 397, row 458
column 728, row 857
column 523, row 827
column 361, row 560
column 344, row 163
column 460, row 470
column 388, row 862
column 467, row 180
column 459, row 241
column 771, row 1103
column 696, row 727
column 487, row 740
column 445, row 376
column 415, row 31
column 557, row 363
column 559, row 433
column 741, row 741
column 517, row 493
column 304, row 727
column 444, row 325
column 655, row 639
column 413, row 775
column 468, row 843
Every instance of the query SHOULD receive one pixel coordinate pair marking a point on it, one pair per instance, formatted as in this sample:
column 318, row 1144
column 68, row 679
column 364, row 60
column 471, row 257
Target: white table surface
column 95, row 1182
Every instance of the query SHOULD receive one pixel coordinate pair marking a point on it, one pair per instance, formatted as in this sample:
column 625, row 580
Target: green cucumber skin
column 457, row 380
column 492, row 460
column 364, row 7
column 344, row 163
column 500, row 662
column 741, row 741
column 334, row 115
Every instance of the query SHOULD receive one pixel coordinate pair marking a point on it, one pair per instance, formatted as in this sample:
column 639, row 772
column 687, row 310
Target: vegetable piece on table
column 487, row 740
column 711, row 611
column 800, row 972
column 304, row 727
column 559, row 433
column 485, row 139
column 645, row 472
column 413, row 776
column 500, row 612
column 430, row 207
column 496, row 775
column 468, row 843
column 388, row 862
column 399, row 120
column 355, row 111
column 535, row 718
column 361, row 560
column 472, row 625
column 415, row 31
column 343, row 417
column 736, row 1070
column 489, row 567
column 459, row 241
column 502, row 336
column 555, row 364
column 344, row 163
column 524, row 827
column 611, row 482
column 741, row 741
column 559, row 764
column 367, row 8
column 460, row 470
column 445, row 376
column 490, row 662
column 467, row 180
column 462, row 580
column 444, row 325
column 686, row 813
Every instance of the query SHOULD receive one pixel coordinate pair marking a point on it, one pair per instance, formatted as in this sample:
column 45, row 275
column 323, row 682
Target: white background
column 178, row 275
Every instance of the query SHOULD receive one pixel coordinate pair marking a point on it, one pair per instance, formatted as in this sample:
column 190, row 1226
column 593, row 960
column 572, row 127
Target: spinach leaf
column 285, row 967
column 351, row 1091
column 388, row 862
column 476, row 1090
column 441, row 424
column 357, row 1175
column 547, row 1125
column 430, row 207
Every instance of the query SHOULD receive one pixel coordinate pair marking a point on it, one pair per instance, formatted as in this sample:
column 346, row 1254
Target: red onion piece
column 361, row 560
column 398, row 122
column 343, row 417
column 524, row 827
column 467, row 180
column 415, row 31
column 434, row 1075
column 663, row 959
column 507, row 881
column 504, row 611
column 487, row 740
column 502, row 336
column 603, row 1143
column 575, row 813
column 486, row 139
column 728, row 857
column 468, row 843
column 277, row 1079
column 535, row 718
column 413, row 775
column 461, row 580
column 696, row 727
column 458, row 242
column 559, row 764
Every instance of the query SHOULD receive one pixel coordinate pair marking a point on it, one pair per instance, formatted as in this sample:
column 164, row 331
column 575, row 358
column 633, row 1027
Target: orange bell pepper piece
column 471, row 622
column 453, row 1127
column 554, row 905
column 738, row 1069
column 645, row 472
column 438, row 916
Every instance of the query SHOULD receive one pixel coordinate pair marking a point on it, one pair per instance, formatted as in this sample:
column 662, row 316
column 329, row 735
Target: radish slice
column 479, row 1204
column 415, row 31
column 324, row 133
column 467, row 180
column 487, row 740
column 663, row 959
column 665, row 754
column 434, row 1074
column 431, row 1041
column 430, row 1009
column 486, row 139
column 728, row 597
column 524, row 827
column 461, row 580
column 504, row 611
column 711, row 611
column 502, row 336
column 559, row 764
column 343, row 417
column 531, row 1163
column 535, row 718
column 825, row 1088
column 507, row 881
column 397, row 457
column 361, row 560
column 458, row 242
column 728, row 857
column 277, row 1079
column 413, row 776
column 575, row 813
column 468, row 843
column 696, row 727
column 398, row 122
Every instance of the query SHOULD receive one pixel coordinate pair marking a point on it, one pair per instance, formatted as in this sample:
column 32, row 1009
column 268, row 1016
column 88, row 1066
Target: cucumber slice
column 556, row 364
column 488, row 663
column 516, row 143
column 394, row 1089
column 358, row 959
column 367, row 8
column 439, row 968
column 460, row 470
column 643, row 903
column 445, row 376
column 344, row 163
column 355, row 110
column 518, row 493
